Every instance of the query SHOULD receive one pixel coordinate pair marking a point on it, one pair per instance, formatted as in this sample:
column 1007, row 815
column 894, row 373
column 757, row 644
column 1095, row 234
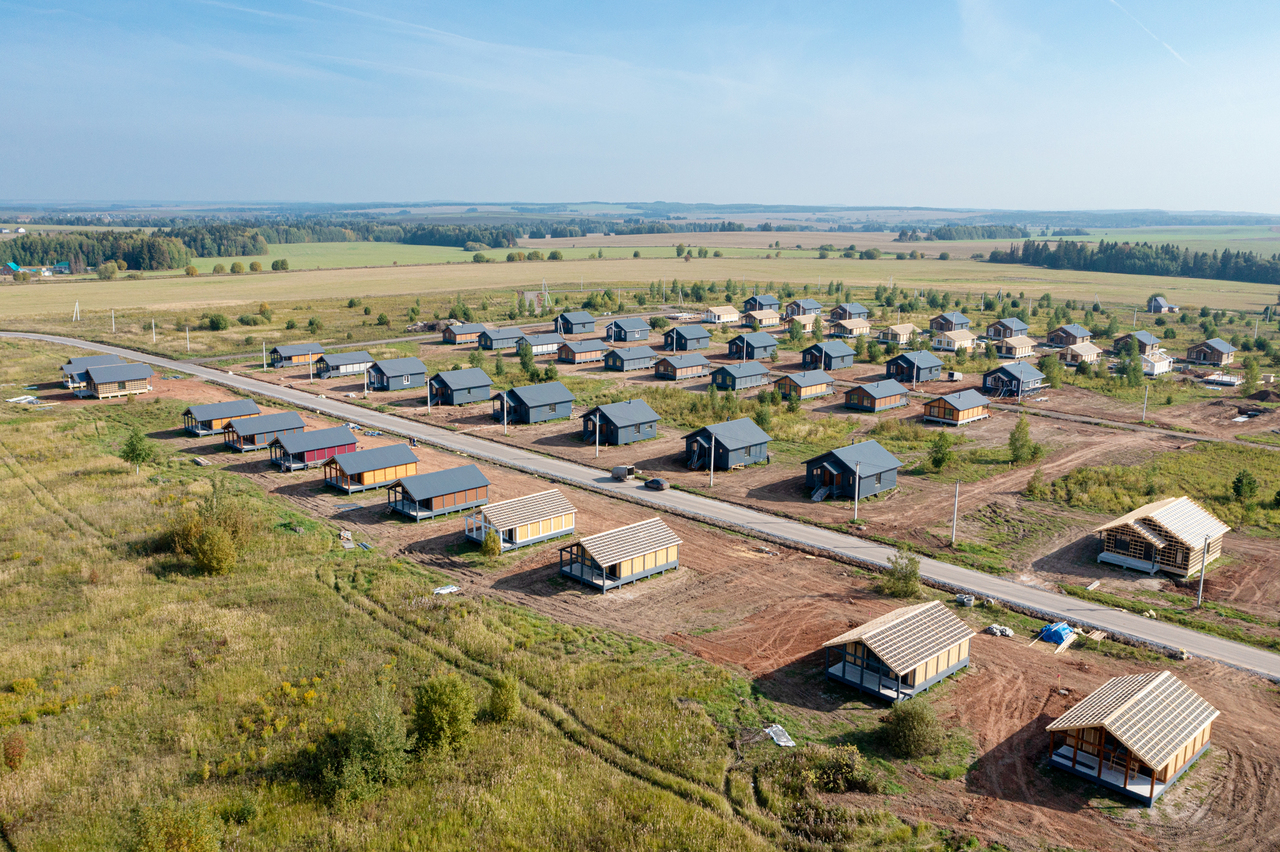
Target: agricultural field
column 145, row 688
column 1260, row 239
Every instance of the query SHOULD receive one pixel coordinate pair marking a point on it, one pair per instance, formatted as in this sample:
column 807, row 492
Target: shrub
column 15, row 750
column 173, row 826
column 383, row 319
column 255, row 266
column 764, row 417
column 314, row 325
column 504, row 700
column 492, row 546
column 444, row 712
column 237, row 268
column 913, row 730
column 946, row 255
column 1275, row 501
column 251, row 319
column 902, row 578
column 479, row 257
column 24, row 686
column 555, row 254
column 1021, row 447
column 658, row 323
column 550, row 374
column 218, row 322
column 107, row 270
column 940, row 453
column 368, row 311
column 290, row 325
column 219, row 269
column 213, row 551
column 192, row 271
column 635, row 253
column 1245, row 485
column 281, row 265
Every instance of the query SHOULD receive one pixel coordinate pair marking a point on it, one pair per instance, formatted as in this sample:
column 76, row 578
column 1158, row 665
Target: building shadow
column 1018, row 770
column 1079, row 558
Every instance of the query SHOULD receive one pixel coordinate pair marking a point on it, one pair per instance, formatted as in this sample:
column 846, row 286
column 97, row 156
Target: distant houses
column 720, row 314
column 1007, row 327
column 107, row 381
column 849, row 311
column 876, row 396
column 506, row 337
column 533, row 403
column 856, row 471
column 809, row 384
column 542, row 344
column 630, row 358
column 428, row 495
column 397, row 374
column 732, row 444
column 575, row 322
column 582, row 351
column 201, row 420
column 957, row 409
column 626, row 330
column 802, row 307
column 1018, row 346
column 752, row 346
column 1144, row 340
column 523, row 521
column 949, row 321
column 1157, row 362
column 1076, row 354
column 256, row 433
column 459, row 387
column 763, row 302
column 334, row 364
column 466, row 332
column 680, row 367
column 1012, row 380
column 901, row 334
column 919, row 366
column 684, row 338
column 620, row 423
column 1069, row 335
column 736, row 377
column 1215, row 352
column 1161, row 305
column 295, row 354
column 961, row 340
column 827, row 355
column 620, row 556
column 373, row 468
column 849, row 328
column 765, row 318
column 1169, row 535
column 301, row 450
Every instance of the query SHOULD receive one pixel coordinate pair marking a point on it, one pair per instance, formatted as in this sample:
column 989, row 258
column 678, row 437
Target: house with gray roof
column 295, row 354
column 333, row 364
column 397, row 374
column 1016, row 380
column 1069, row 335
column 463, row 332
column 626, row 330
column 684, row 338
column 736, row 377
column 620, row 423
column 458, row 387
column 533, row 403
column 629, row 358
column 732, row 444
column 679, row 367
column 373, row 468
column 957, row 409
column 1007, row 327
column 542, row 344
column 255, row 433
column 827, row 355
column 582, row 351
column 1214, row 351
column 763, row 302
column 428, row 495
column 949, row 321
column 507, row 337
column 752, row 346
column 75, row 373
column 917, row 366
column 104, row 381
column 575, row 322
column 201, row 420
column 876, row 396
column 1161, row 305
column 800, row 307
column 1145, row 340
column 856, row 471
column 849, row 311
column 523, row 521
column 301, row 450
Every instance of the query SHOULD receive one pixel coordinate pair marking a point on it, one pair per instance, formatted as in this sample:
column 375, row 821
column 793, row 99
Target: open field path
column 717, row 513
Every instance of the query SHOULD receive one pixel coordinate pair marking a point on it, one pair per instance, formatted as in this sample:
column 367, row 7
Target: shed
column 207, row 419
column 1069, row 335
column 428, row 495
column 1017, row 379
column 876, row 396
column 397, row 374
column 295, row 354
column 809, row 384
column 735, row 377
column 763, row 302
column 575, row 322
column 827, row 355
column 957, row 409
column 683, row 338
column 458, row 387
column 955, row 341
column 1007, row 327
column 1161, row 305
column 1079, row 353
column 900, row 334
column 534, row 403
column 1145, row 340
column 1215, row 351
column 752, row 346
column 849, row 328
column 625, row 555
column 621, row 423
column 626, row 330
column 801, row 307
column 949, row 321
column 720, row 314
column 765, row 318
column 524, row 520
column 582, row 351
column 737, row 443
column 858, row 470
column 105, row 381
column 1157, row 362
column 332, row 364
column 849, row 311
column 1135, row 734
column 1018, row 346
column 630, row 358
column 902, row 653
column 914, row 367
column 463, row 332
column 75, row 373
column 679, row 367
column 301, row 450
column 1168, row 535
column 542, row 344
column 373, row 468
column 506, row 337
column 254, row 433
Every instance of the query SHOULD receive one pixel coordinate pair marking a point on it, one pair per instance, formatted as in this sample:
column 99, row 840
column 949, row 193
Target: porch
column 573, row 566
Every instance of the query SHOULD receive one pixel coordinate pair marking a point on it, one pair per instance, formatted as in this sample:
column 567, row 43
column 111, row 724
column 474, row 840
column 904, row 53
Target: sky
column 1009, row 104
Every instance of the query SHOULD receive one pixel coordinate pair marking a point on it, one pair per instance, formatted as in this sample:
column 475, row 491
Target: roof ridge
column 905, row 612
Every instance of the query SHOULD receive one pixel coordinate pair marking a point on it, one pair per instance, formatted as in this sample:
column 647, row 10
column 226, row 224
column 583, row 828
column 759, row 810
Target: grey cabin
column 680, row 367
column 373, row 468
column 828, row 355
column 542, row 344
column 630, row 358
column 949, row 321
column 620, row 423
column 533, row 403
column 1161, row 305
column 301, row 450
column 458, row 387
column 917, row 366
column 1069, row 335
column 575, row 322
column 507, row 337
column 332, row 364
column 1007, row 327
column 255, row 433
column 752, row 346
column 1144, row 340
column 105, row 381
column 849, row 311
column 727, row 445
column 201, row 420
column 735, row 377
column 801, row 307
column 683, row 338
column 761, row 303
column 75, row 373
column 1016, row 379
column 397, row 374
column 294, row 354
column 427, row 495
column 627, row 330
column 856, row 471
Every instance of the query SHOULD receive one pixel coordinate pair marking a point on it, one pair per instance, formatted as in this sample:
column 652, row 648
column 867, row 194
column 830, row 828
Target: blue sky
column 977, row 103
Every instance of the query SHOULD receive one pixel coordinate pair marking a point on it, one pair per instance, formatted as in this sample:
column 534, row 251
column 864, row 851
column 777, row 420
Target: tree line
column 81, row 249
column 1144, row 259
column 978, row 232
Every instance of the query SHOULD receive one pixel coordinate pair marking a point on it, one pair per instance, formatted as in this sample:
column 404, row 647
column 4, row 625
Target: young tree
column 1245, row 485
column 444, row 712
column 795, row 333
column 137, row 450
column 1021, row 447
column 940, row 453
column 763, row 416
column 902, row 578
column 214, row 552
column 873, row 352
column 1052, row 369
column 1252, row 375
column 475, row 359
column 913, row 730
column 504, row 700
column 525, row 353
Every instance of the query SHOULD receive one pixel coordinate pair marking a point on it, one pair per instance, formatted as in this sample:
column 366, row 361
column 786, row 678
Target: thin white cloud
column 280, row 16
column 1153, row 35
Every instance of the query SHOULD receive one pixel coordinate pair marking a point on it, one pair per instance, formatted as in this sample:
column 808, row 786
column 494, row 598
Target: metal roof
column 467, row 377
column 1143, row 336
column 507, row 332
column 577, row 317
column 873, row 458
column 692, row 332
column 920, row 358
column 630, row 324
column 1182, row 517
column 854, row 308
column 809, row 378
column 585, row 345
column 400, row 367
column 834, row 348
column 744, row 371
column 953, row 316
column 735, row 434
column 1018, row 341
column 880, row 389
column 523, row 510
column 756, row 338
column 807, row 303
column 630, row 352
column 317, row 439
column 1153, row 714
column 692, row 359
column 630, row 413
column 264, row 423
column 218, row 410
column 765, row 299
column 551, row 339
column 346, row 359
column 424, row 486
column 965, row 400
column 1075, row 329
column 610, row 548
column 1019, row 370
column 543, row 394
column 468, row 328
column 290, row 349
column 119, row 373
column 1011, row 323
column 1162, row 302
column 1217, row 343
column 377, row 458
column 78, row 365
column 908, row 637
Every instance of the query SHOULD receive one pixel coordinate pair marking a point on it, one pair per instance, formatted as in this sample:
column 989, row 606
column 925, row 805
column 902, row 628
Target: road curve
column 1057, row 606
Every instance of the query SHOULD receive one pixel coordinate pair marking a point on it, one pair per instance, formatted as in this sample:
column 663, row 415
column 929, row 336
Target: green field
column 1260, row 239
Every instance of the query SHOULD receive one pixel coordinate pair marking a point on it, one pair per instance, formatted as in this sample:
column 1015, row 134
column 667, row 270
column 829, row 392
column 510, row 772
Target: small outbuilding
column 429, row 495
column 1161, row 305
column 459, row 387
column 752, row 346
column 301, row 450
column 849, row 311
column 1007, row 327
column 736, row 377
column 827, row 355
column 680, row 367
column 626, row 330
column 720, row 314
column 533, row 403
column 949, row 321
column 256, row 433
column 876, row 396
column 809, row 384
column 736, row 443
column 295, row 354
column 506, row 337
column 856, row 471
column 575, row 322
column 849, row 328
column 524, row 520
column 201, row 420
column 334, row 364
column 765, row 318
column 802, row 307
column 957, row 409
column 610, row 559
column 763, row 302
column 1214, row 351
column 1175, row 535
column 620, row 423
column 630, row 358
column 919, row 366
column 75, row 373
column 902, row 653
column 397, row 374
column 1135, row 734
column 685, row 338
column 463, row 332
column 372, row 468
column 1145, row 341
column 1018, row 346
column 1076, row 354
column 1016, row 380
column 106, row 381
column 1069, row 335
column 582, row 351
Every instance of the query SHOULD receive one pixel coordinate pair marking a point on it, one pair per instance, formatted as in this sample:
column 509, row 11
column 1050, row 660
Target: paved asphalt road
column 1060, row 607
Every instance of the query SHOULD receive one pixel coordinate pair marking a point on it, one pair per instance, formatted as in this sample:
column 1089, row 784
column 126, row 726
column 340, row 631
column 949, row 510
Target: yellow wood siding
column 546, row 526
column 387, row 474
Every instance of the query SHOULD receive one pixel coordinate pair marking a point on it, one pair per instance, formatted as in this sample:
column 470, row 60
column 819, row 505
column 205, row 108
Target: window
column 406, row 380
column 551, row 407
column 878, row 475
column 121, row 385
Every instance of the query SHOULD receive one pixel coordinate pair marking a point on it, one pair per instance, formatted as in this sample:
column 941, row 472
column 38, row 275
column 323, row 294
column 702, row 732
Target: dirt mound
column 1265, row 395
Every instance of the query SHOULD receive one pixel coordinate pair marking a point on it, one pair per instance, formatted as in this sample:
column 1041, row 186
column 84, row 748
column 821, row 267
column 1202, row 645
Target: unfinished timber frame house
column 625, row 555
column 1135, row 734
column 1175, row 535
column 524, row 520
column 902, row 653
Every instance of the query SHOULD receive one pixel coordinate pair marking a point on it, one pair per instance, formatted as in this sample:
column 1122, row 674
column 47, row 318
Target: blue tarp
column 1056, row 633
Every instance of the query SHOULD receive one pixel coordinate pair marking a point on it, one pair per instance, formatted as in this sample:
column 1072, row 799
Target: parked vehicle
column 623, row 472
column 656, row 484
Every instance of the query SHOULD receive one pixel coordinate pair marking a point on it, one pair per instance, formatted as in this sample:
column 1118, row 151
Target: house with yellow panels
column 373, row 468
column 524, row 520
column 625, row 555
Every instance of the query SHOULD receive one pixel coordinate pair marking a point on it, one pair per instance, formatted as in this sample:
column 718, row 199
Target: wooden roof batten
column 523, row 510
column 1178, row 517
column 638, row 539
column 907, row 637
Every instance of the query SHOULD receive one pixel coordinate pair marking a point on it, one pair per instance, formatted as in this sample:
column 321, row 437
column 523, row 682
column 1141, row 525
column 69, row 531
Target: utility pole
column 113, row 320
column 1135, row 317
column 711, row 460
column 955, row 514
column 504, row 412
column 857, row 488
column 1146, row 393
column 597, row 431
column 153, row 331
column 188, row 340
column 264, row 356
column 310, row 373
column 75, row 315
column 1204, row 560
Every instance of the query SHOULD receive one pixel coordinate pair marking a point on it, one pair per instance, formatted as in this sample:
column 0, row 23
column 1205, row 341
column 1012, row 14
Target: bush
column 251, row 319
column 218, row 322
column 1275, row 501
column 1245, row 485
column 940, row 454
column 913, row 730
column 213, row 551
column 14, row 750
column 555, row 254
column 550, row 374
column 314, row 325
column 255, row 266
column 479, row 257
column 658, row 323
column 504, row 700
column 353, row 303
column 281, row 265
column 1021, row 447
column 356, row 762
column 492, row 547
column 902, row 578
column 368, row 311
column 383, row 319
column 444, row 712
column 219, row 269
column 475, row 247
column 237, row 268
column 173, row 826
column 290, row 325
column 192, row 271
column 107, row 270
column 635, row 253
column 946, row 255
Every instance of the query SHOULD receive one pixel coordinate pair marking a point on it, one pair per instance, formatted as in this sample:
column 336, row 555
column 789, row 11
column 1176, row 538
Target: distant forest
column 137, row 249
column 1144, row 259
